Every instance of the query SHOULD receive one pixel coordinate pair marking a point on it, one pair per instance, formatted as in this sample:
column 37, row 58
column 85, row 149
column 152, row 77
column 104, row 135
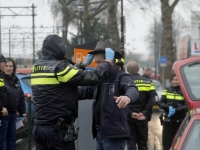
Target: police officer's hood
column 54, row 48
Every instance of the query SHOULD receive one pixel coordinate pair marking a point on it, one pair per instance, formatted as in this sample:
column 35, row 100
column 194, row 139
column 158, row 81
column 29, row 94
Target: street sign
column 163, row 65
column 163, row 59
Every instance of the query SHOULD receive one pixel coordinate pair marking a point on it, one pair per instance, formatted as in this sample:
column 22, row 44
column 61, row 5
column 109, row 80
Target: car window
column 27, row 81
column 179, row 134
column 191, row 79
column 192, row 140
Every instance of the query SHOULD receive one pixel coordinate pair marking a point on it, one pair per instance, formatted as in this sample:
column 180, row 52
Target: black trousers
column 169, row 131
column 139, row 134
column 47, row 139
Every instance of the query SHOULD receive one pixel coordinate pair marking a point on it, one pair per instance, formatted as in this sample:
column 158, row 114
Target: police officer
column 3, row 110
column 54, row 82
column 175, row 107
column 140, row 110
column 147, row 74
column 120, row 63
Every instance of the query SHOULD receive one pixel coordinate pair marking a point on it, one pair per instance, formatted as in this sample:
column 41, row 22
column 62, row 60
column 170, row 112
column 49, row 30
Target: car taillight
column 27, row 95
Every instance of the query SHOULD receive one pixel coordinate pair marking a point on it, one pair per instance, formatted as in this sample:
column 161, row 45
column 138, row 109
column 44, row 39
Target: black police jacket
column 55, row 83
column 146, row 95
column 15, row 95
column 173, row 96
column 55, row 89
column 113, row 121
column 3, row 96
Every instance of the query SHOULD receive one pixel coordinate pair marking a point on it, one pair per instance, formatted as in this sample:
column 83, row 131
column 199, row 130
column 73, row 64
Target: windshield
column 192, row 141
column 191, row 79
column 27, row 81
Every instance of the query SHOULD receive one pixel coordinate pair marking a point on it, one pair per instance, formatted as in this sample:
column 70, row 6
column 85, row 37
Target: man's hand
column 135, row 115
column 141, row 116
column 122, row 101
column 89, row 59
column 4, row 112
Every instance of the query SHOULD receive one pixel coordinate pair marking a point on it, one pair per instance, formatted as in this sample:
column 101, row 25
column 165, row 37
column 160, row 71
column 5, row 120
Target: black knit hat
column 2, row 58
column 102, row 45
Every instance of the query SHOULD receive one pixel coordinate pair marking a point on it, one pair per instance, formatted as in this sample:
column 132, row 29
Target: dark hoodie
column 54, row 48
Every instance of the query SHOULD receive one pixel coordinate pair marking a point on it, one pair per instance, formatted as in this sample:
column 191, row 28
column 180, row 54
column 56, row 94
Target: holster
column 161, row 117
column 71, row 132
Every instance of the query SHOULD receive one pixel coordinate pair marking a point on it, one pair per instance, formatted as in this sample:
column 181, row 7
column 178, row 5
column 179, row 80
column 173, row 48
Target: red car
column 188, row 73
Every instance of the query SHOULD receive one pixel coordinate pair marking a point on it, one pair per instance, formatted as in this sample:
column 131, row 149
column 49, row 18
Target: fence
column 24, row 135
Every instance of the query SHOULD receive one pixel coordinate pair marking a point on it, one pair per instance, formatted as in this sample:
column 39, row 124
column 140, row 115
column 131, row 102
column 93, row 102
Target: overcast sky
column 137, row 22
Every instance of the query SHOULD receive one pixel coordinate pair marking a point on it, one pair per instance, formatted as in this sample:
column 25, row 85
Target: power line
column 12, row 11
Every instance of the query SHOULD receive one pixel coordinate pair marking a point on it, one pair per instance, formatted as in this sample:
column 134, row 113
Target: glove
column 80, row 66
column 109, row 54
column 89, row 59
column 171, row 111
column 20, row 118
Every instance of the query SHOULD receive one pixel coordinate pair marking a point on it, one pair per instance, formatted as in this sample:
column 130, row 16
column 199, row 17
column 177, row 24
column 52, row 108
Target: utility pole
column 9, row 45
column 122, row 30
column 33, row 18
column 15, row 13
column 0, row 28
column 155, row 48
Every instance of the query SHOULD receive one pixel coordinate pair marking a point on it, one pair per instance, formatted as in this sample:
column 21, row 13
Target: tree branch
column 174, row 4
column 67, row 10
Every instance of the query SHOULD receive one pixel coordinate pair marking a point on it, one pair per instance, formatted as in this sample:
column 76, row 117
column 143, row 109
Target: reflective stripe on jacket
column 146, row 95
column 172, row 96
column 55, row 89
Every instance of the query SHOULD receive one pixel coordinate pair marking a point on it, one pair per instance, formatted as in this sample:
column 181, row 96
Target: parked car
column 188, row 74
column 159, row 89
column 22, row 133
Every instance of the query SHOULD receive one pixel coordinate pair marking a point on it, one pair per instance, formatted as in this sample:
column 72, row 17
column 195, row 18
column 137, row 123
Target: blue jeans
column 8, row 132
column 109, row 143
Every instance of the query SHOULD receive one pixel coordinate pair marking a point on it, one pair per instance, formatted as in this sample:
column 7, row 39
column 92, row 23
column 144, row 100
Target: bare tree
column 112, row 23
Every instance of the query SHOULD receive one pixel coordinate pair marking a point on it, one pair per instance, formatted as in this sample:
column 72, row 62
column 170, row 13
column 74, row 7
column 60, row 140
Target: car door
column 188, row 74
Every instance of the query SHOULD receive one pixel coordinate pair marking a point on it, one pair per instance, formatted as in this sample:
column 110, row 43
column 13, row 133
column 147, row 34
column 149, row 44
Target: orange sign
column 80, row 56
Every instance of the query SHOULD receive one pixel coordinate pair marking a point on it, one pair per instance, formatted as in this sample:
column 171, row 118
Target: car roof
column 24, row 70
column 178, row 68
column 22, row 75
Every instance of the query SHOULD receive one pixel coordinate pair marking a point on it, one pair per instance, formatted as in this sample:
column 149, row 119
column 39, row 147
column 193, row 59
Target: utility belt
column 172, row 120
column 69, row 128
column 163, row 119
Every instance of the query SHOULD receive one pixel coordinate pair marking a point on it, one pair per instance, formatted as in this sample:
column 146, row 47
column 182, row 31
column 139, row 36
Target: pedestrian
column 3, row 110
column 175, row 107
column 54, row 82
column 110, row 126
column 140, row 110
column 147, row 73
column 15, row 105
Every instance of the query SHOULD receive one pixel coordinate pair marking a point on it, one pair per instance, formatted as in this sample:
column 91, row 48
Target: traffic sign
column 163, row 64
column 163, row 59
